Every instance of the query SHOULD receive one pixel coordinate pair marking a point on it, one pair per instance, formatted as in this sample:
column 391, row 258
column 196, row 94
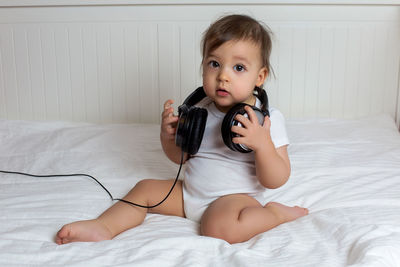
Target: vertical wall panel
column 352, row 77
column 90, row 73
column 312, row 70
column 338, row 71
column 3, row 103
column 188, row 59
column 23, row 78
column 379, row 69
column 75, row 35
column 392, row 72
column 132, row 72
column 169, row 63
column 324, row 105
column 36, row 71
column 285, row 69
column 365, row 74
column 103, row 52
column 49, row 69
column 117, row 47
column 63, row 68
column 9, row 72
column 298, row 79
column 148, row 73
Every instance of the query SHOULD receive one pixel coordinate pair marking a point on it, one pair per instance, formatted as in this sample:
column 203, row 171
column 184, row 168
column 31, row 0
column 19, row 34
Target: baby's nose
column 223, row 75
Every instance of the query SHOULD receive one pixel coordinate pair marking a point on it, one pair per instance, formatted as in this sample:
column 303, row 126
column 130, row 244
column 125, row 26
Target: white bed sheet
column 347, row 172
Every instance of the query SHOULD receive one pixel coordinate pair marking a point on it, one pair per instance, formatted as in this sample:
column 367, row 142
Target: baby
column 222, row 189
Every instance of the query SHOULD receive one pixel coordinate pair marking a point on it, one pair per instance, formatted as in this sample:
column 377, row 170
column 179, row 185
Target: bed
column 345, row 171
column 81, row 88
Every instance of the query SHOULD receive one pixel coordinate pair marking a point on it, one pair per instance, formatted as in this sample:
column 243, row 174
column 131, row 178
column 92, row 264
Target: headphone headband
column 195, row 97
column 262, row 95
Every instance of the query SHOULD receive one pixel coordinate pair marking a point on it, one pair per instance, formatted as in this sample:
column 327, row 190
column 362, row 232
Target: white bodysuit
column 216, row 171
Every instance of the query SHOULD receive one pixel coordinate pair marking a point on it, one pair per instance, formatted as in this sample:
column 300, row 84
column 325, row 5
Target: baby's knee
column 145, row 185
column 219, row 228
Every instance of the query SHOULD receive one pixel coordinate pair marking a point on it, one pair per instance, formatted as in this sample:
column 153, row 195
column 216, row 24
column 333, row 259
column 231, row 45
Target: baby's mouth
column 222, row 92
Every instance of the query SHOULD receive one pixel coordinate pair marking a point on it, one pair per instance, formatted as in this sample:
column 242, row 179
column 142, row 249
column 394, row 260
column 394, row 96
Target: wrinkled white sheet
column 347, row 172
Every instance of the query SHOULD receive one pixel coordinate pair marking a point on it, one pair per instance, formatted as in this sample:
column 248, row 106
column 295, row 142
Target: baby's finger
column 243, row 120
column 170, row 130
column 168, row 103
column 239, row 130
column 252, row 115
column 167, row 113
column 170, row 120
column 239, row 140
column 267, row 122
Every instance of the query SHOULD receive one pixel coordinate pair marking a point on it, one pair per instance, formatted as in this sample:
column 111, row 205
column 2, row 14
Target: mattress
column 346, row 172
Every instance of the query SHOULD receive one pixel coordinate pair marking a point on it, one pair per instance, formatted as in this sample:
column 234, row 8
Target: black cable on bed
column 108, row 192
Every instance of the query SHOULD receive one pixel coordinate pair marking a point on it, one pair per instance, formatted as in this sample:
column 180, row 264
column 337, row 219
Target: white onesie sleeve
column 278, row 129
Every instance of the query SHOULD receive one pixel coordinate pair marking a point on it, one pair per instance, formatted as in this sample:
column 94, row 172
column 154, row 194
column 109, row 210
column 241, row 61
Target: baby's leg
column 122, row 216
column 238, row 217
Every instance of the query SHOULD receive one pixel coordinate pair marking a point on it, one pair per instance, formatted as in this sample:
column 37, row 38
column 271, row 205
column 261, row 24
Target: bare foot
column 286, row 213
column 83, row 231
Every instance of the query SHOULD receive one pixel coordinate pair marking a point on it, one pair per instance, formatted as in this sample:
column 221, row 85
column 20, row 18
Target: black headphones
column 192, row 121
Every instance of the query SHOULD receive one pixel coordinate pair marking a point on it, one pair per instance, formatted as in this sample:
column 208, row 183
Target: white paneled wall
column 337, row 70
column 119, row 63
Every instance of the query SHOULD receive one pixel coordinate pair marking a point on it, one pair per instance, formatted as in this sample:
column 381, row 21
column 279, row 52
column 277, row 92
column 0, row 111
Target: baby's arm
column 272, row 165
column 167, row 134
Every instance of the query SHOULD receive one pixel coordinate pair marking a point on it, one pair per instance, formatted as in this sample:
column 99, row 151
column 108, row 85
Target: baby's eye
column 213, row 64
column 239, row 68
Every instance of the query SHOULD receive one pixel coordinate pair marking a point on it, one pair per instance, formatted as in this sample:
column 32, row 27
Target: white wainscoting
column 118, row 62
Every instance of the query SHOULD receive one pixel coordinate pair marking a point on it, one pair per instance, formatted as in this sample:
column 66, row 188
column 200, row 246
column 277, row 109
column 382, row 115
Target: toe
column 62, row 235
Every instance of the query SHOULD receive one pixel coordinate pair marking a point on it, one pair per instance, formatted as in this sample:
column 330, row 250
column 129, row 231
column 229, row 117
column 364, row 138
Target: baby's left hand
column 253, row 135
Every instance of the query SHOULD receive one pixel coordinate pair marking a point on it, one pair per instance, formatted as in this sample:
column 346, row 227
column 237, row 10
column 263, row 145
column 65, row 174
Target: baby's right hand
column 169, row 121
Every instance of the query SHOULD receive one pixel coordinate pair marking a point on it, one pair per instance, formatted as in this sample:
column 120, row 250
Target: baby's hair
column 235, row 28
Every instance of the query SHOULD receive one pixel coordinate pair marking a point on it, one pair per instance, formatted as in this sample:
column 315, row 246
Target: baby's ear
column 262, row 75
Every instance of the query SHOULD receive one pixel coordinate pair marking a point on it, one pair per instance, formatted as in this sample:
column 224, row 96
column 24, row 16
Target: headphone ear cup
column 229, row 121
column 190, row 129
column 196, row 130
column 182, row 125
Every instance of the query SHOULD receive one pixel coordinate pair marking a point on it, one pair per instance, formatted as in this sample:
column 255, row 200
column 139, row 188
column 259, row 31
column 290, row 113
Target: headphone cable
column 105, row 189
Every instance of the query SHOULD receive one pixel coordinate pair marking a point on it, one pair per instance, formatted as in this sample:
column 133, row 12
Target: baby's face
column 231, row 72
